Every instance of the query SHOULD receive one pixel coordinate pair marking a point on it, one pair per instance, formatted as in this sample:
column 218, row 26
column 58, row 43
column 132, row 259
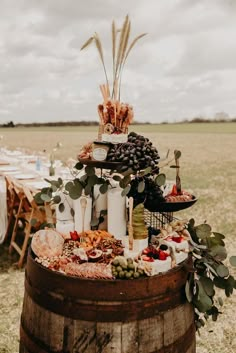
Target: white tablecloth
column 3, row 209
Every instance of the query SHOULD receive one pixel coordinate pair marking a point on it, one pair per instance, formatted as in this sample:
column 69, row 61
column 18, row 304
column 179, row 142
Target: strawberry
column 174, row 191
column 74, row 235
column 169, row 238
column 148, row 259
column 162, row 255
column 177, row 239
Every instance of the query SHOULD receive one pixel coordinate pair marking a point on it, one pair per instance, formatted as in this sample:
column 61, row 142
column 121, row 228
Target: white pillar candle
column 116, row 217
column 100, row 204
column 65, row 227
column 65, row 215
column 78, row 214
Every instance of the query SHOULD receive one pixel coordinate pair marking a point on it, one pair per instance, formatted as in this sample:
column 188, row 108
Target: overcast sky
column 184, row 67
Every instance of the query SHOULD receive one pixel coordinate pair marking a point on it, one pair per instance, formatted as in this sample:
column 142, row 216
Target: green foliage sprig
column 209, row 272
column 208, row 248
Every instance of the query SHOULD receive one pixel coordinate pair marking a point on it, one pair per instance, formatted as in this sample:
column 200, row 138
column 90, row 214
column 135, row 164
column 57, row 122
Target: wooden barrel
column 66, row 314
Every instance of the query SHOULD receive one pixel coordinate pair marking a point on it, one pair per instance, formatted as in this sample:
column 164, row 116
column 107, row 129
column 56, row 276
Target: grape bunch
column 138, row 153
column 151, row 195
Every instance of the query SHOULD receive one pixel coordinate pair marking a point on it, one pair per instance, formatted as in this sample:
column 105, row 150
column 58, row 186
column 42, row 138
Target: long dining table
column 29, row 170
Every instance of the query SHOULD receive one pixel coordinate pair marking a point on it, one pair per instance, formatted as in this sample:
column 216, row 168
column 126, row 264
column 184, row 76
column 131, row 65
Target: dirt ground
column 208, row 165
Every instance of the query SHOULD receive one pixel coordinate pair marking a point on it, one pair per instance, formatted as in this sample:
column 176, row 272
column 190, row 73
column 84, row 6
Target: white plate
column 8, row 168
column 25, row 176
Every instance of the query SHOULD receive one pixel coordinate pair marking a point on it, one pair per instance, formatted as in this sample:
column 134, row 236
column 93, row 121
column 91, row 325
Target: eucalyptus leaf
column 83, row 179
column 103, row 188
column 45, row 197
column 46, row 190
column 69, row 186
column 203, row 304
column 92, row 180
column 103, row 212
column 220, row 282
column 219, row 235
column 48, row 180
column 147, row 170
column 77, row 181
column 177, row 154
column 212, row 241
column 94, row 222
column 54, row 188
column 191, row 222
column 203, row 231
column 75, row 192
column 61, row 207
column 101, row 180
column 125, row 181
column 87, row 189
column 222, row 271
column 60, row 181
column 208, row 285
column 220, row 301
column 141, row 186
column 232, row 261
column 79, row 166
column 174, row 166
column 37, row 198
column 116, row 178
column 55, row 183
column 230, row 282
column 160, row 179
column 218, row 252
column 228, row 291
column 89, row 170
column 126, row 190
column 56, row 199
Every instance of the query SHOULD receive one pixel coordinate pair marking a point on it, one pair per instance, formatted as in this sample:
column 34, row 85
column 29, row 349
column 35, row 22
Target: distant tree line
column 11, row 124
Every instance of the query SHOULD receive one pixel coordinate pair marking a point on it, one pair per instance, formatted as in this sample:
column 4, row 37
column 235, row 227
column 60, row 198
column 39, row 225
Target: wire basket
column 157, row 219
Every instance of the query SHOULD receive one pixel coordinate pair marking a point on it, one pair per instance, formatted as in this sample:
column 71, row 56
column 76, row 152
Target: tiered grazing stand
column 69, row 314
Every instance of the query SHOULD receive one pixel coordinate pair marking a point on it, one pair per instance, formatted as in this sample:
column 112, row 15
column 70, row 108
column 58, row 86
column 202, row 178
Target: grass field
column 208, row 166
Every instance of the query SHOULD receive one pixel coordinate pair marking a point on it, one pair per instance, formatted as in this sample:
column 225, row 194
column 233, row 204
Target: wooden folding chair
column 12, row 205
column 27, row 211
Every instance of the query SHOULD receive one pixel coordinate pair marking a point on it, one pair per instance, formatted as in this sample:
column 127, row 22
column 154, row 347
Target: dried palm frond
column 87, row 43
column 113, row 46
column 126, row 55
column 132, row 45
column 119, row 55
column 100, row 51
column 121, row 43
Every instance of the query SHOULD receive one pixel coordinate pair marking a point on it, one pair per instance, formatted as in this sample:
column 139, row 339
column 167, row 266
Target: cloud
column 184, row 67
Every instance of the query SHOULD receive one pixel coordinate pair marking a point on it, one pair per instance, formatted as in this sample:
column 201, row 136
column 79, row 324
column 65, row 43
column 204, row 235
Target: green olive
column 119, row 269
column 121, row 274
column 115, row 262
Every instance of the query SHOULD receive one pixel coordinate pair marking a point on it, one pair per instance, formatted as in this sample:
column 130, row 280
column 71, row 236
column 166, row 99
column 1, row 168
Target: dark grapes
column 137, row 153
column 151, row 196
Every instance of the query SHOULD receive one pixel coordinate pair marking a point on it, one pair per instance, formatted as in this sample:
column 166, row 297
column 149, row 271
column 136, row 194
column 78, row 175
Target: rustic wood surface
column 164, row 330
